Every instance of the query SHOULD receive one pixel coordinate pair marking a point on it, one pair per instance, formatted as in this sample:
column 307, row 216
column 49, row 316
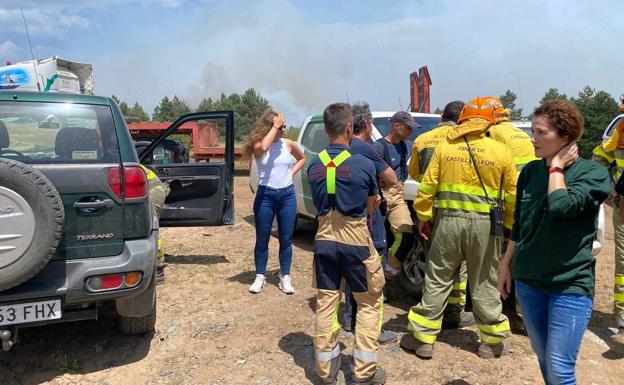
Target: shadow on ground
column 47, row 352
column 247, row 277
column 603, row 325
column 196, row 259
column 300, row 346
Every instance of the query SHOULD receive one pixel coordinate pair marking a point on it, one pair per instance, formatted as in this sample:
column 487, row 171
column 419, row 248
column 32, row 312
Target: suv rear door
column 202, row 193
column 75, row 145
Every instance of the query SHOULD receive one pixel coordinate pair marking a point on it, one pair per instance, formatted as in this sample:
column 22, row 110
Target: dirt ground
column 211, row 331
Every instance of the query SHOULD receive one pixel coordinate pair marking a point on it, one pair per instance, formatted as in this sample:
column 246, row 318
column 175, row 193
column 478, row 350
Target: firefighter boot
column 490, row 351
column 386, row 337
column 421, row 349
column 467, row 319
column 379, row 378
column 333, row 371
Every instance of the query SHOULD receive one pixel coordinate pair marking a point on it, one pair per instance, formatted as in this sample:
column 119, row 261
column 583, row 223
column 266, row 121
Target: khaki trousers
column 460, row 236
column 400, row 223
column 344, row 249
column 618, row 289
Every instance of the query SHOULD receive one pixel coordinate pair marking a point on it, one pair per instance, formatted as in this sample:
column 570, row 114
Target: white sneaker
column 258, row 284
column 285, row 285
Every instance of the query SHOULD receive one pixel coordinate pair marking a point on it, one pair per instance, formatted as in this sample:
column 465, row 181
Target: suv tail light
column 117, row 281
column 130, row 180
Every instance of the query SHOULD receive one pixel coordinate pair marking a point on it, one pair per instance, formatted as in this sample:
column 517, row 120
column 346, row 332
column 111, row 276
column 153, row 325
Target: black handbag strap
column 386, row 152
column 474, row 163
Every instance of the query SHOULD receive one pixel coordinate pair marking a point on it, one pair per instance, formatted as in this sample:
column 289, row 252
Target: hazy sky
column 303, row 55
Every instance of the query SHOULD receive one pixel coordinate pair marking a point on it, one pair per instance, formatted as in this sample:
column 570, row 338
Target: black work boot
column 379, row 378
column 333, row 371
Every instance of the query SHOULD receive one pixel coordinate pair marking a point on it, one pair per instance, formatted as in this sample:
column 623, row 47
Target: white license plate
column 20, row 313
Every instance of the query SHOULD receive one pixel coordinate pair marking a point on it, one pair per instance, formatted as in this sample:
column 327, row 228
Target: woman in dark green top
column 549, row 254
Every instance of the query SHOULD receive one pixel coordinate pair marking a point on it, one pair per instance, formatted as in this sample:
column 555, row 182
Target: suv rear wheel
column 141, row 325
column 138, row 325
column 31, row 222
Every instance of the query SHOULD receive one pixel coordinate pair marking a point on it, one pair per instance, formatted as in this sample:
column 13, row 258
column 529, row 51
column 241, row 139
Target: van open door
column 202, row 193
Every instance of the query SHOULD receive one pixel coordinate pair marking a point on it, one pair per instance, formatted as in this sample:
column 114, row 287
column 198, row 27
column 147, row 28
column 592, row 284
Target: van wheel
column 412, row 277
column 31, row 222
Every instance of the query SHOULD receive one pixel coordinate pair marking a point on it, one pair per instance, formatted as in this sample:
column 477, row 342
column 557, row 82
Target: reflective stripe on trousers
column 618, row 282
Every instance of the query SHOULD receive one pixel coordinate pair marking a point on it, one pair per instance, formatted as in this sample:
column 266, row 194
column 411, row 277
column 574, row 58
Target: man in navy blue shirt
column 344, row 190
column 395, row 149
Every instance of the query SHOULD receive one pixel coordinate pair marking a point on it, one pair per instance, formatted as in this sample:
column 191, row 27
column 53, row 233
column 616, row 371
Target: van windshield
column 427, row 123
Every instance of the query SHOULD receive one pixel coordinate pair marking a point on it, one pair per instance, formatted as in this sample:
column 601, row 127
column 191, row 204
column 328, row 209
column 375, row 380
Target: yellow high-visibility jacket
column 518, row 142
column 611, row 151
column 423, row 147
column 451, row 180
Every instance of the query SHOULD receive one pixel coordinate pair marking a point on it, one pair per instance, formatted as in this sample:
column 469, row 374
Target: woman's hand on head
column 279, row 120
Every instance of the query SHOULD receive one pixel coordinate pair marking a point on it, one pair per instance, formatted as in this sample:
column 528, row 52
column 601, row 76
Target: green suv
column 76, row 226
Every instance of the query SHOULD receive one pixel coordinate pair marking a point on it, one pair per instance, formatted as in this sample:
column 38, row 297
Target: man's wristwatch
column 556, row 169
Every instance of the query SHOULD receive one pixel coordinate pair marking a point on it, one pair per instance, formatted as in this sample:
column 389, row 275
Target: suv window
column 315, row 139
column 427, row 123
column 57, row 133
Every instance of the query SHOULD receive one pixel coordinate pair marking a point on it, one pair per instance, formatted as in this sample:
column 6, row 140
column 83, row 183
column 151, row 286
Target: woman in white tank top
column 278, row 159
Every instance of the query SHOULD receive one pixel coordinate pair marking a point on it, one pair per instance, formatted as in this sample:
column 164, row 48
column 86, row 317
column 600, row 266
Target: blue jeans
column 555, row 324
column 271, row 203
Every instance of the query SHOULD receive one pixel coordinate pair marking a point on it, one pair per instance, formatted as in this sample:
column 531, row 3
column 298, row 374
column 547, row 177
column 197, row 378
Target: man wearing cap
column 361, row 144
column 395, row 149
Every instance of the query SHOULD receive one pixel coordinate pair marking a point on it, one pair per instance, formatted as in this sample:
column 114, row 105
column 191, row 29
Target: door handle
column 95, row 205
column 185, row 182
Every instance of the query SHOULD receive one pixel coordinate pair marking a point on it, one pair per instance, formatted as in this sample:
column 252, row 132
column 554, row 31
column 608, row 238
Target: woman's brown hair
column 564, row 117
column 261, row 128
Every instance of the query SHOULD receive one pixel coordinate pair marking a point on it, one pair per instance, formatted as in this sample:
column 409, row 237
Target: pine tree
column 509, row 101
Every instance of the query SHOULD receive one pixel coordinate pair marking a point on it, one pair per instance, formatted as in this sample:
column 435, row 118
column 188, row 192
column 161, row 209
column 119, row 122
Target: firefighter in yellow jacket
column 611, row 154
column 518, row 141
column 158, row 192
column 344, row 189
column 422, row 150
column 469, row 177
